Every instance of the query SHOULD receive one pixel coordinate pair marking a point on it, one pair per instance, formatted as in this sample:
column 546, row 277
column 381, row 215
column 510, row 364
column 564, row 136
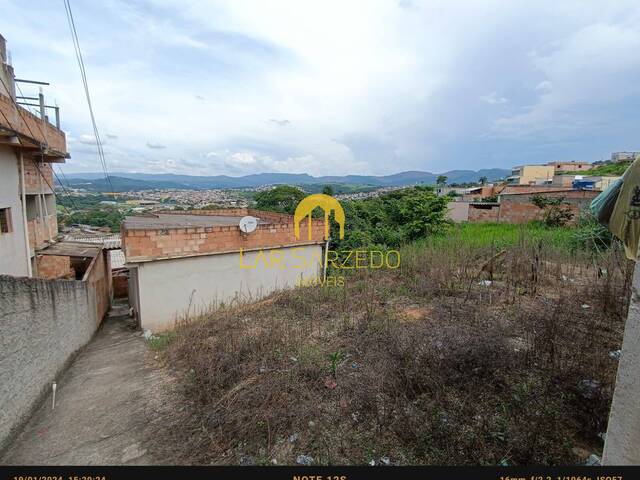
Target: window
column 5, row 220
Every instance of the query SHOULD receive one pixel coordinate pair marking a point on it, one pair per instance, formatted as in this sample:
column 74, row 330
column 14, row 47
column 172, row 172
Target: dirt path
column 106, row 405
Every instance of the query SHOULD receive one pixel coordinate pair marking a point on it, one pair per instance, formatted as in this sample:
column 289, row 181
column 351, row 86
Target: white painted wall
column 622, row 442
column 167, row 288
column 13, row 253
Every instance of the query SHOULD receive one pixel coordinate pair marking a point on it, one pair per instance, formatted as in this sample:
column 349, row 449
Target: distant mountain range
column 124, row 182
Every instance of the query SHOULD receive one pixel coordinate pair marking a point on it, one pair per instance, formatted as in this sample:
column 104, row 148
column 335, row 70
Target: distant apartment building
column 184, row 262
column 531, row 175
column 572, row 166
column 624, row 156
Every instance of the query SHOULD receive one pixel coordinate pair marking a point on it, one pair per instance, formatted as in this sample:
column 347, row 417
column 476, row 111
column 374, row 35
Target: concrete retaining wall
column 42, row 324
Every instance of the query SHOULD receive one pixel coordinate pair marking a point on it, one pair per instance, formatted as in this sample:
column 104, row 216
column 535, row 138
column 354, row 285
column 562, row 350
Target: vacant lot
column 486, row 347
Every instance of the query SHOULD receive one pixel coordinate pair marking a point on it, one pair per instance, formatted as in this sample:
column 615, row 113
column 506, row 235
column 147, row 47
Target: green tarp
column 624, row 221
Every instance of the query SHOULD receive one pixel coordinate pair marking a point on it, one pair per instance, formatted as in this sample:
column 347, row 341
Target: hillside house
column 572, row 166
column 184, row 262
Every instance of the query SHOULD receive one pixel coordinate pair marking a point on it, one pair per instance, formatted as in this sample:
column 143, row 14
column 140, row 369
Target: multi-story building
column 624, row 156
column 29, row 144
column 531, row 175
column 47, row 318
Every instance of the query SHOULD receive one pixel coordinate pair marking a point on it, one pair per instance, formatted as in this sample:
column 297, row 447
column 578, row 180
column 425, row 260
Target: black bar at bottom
column 318, row 473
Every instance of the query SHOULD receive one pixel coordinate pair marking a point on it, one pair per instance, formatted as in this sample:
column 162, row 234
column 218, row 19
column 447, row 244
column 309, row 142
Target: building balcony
column 37, row 137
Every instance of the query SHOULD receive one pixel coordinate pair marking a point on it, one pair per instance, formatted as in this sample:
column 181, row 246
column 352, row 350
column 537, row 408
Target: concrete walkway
column 106, row 403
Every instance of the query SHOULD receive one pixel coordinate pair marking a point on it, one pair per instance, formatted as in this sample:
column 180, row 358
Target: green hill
column 609, row 169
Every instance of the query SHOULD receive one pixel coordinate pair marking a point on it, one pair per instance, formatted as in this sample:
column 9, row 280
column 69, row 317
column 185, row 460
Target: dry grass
column 422, row 365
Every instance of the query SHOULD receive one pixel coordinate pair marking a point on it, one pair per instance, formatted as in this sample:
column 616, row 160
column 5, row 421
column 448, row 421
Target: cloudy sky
column 335, row 87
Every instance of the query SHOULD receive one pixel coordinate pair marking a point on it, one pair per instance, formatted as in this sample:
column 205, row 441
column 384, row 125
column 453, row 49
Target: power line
column 18, row 109
column 64, row 189
column 83, row 74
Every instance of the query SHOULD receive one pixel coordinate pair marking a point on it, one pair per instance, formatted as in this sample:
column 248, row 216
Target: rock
column 304, row 460
column 293, row 438
column 580, row 452
column 330, row 383
column 593, row 461
column 589, row 388
column 385, row 461
column 132, row 452
column 312, row 423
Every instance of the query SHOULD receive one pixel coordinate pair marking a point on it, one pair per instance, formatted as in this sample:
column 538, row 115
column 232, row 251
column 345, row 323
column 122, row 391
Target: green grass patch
column 500, row 235
column 160, row 341
column 611, row 169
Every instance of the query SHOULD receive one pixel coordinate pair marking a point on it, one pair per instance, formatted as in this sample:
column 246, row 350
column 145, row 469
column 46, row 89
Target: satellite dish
column 248, row 224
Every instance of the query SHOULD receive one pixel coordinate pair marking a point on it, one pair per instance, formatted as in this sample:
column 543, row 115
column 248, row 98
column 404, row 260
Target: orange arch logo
column 327, row 203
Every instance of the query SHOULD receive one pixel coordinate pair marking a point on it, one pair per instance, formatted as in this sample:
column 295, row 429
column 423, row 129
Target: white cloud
column 375, row 86
column 493, row 99
column 156, row 146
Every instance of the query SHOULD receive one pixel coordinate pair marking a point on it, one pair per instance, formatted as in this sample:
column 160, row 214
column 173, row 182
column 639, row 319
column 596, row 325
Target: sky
column 335, row 87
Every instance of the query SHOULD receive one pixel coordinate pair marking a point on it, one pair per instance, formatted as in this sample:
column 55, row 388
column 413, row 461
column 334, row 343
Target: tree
column 283, row 199
column 393, row 219
column 557, row 212
column 98, row 216
column 327, row 190
column 483, row 180
column 441, row 180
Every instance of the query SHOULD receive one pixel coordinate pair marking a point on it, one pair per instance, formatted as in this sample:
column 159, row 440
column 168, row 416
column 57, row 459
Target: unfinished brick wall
column 479, row 213
column 141, row 244
column 121, row 285
column 516, row 212
column 235, row 212
column 98, row 277
column 32, row 177
column 569, row 195
column 55, row 266
column 485, row 191
column 530, row 189
column 25, row 123
column 39, row 232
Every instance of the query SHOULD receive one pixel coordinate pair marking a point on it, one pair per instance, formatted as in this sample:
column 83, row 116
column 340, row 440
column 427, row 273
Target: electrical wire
column 34, row 137
column 83, row 74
